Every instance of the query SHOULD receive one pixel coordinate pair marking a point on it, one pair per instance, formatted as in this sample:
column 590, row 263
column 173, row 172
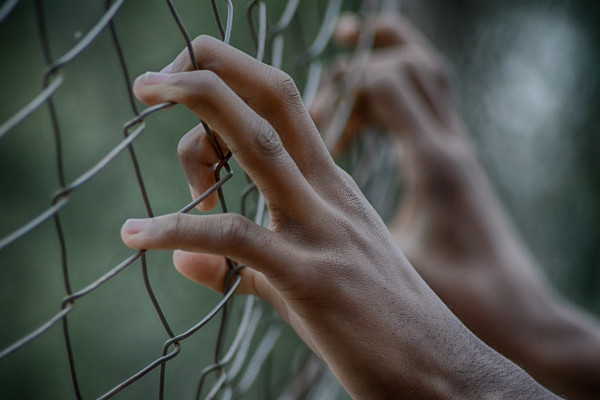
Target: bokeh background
column 526, row 77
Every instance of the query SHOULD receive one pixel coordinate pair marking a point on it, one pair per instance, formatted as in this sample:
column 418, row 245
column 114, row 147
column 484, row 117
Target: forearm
column 521, row 316
column 500, row 292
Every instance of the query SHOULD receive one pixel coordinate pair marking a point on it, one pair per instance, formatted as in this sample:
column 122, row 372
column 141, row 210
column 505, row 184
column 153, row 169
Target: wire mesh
column 244, row 340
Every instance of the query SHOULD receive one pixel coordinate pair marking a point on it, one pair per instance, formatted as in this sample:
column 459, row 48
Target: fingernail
column 155, row 78
column 167, row 69
column 133, row 226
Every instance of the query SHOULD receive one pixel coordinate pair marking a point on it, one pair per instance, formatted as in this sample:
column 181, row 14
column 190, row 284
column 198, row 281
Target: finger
column 395, row 102
column 252, row 140
column 356, row 123
column 336, row 72
column 392, row 94
column 324, row 102
column 430, row 78
column 212, row 271
column 325, row 110
column 229, row 235
column 199, row 161
column 390, row 30
column 270, row 92
column 207, row 269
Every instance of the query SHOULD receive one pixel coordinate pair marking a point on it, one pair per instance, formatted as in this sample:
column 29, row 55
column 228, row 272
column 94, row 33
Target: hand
column 449, row 221
column 326, row 262
column 403, row 88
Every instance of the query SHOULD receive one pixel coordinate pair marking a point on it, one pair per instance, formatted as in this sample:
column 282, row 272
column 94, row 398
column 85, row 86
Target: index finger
column 251, row 139
column 279, row 101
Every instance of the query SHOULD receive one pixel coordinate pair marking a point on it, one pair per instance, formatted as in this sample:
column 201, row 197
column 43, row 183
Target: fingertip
column 140, row 90
column 138, row 86
column 131, row 230
column 143, row 85
column 206, row 269
column 133, row 226
column 187, row 264
column 179, row 257
column 347, row 29
column 208, row 203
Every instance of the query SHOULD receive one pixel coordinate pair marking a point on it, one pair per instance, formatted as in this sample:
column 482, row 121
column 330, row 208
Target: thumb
column 229, row 235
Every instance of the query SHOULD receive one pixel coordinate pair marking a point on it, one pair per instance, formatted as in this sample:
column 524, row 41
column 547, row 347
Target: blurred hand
column 449, row 222
column 326, row 262
column 403, row 87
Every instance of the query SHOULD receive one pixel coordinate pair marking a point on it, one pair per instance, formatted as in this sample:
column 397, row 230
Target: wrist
column 495, row 377
column 423, row 351
column 473, row 370
column 460, row 365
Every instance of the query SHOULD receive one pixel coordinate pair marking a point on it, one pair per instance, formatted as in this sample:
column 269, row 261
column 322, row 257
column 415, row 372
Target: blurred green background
column 527, row 79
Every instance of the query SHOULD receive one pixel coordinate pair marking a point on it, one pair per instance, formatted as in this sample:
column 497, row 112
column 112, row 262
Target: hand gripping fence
column 240, row 348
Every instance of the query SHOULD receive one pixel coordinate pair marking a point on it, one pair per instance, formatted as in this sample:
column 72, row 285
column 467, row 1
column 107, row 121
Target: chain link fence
column 81, row 318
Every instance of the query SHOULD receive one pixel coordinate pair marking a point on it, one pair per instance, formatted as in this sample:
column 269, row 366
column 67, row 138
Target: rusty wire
column 235, row 365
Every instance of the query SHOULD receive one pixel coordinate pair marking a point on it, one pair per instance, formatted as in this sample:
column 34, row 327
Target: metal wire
column 236, row 363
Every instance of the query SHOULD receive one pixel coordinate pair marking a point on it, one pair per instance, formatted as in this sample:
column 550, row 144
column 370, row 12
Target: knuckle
column 266, row 139
column 346, row 179
column 233, row 230
column 443, row 73
column 175, row 229
column 204, row 47
column 418, row 57
column 448, row 167
column 287, row 88
column 436, row 64
column 283, row 86
column 380, row 80
column 203, row 44
column 208, row 82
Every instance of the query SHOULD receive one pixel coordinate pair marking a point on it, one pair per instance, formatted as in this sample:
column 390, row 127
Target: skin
column 326, row 263
column 450, row 223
